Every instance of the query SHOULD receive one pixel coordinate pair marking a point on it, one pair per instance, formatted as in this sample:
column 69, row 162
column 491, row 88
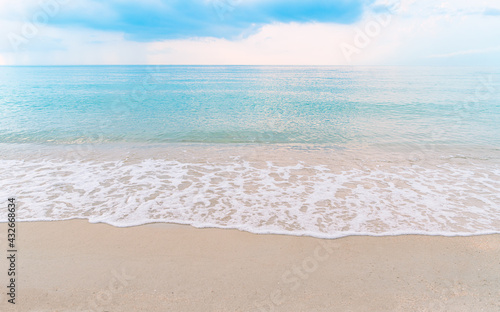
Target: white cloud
column 280, row 44
column 422, row 32
column 466, row 52
column 75, row 46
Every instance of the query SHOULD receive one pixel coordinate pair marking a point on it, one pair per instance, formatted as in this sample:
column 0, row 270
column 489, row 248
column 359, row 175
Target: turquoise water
column 231, row 104
column 320, row 151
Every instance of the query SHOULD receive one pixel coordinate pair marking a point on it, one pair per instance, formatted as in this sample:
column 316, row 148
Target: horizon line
column 246, row 65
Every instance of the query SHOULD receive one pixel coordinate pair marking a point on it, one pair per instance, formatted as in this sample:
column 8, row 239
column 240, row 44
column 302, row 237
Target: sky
column 250, row 32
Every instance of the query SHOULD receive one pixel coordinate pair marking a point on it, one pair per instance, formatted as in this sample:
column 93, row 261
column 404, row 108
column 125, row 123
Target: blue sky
column 174, row 19
column 313, row 32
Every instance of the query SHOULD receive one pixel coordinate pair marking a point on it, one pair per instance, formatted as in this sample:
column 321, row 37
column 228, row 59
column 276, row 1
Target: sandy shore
column 77, row 266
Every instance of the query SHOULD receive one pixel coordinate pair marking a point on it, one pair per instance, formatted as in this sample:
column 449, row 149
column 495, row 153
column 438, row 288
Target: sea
column 323, row 151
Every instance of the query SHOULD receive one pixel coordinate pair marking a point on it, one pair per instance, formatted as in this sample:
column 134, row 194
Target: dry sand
column 77, row 266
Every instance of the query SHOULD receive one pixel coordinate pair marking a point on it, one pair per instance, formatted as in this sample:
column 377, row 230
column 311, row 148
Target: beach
column 321, row 151
column 250, row 188
column 253, row 156
column 78, row 266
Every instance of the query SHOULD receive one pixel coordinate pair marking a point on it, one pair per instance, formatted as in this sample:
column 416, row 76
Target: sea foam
column 298, row 198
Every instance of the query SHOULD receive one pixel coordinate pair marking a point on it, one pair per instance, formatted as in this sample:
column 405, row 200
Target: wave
column 303, row 198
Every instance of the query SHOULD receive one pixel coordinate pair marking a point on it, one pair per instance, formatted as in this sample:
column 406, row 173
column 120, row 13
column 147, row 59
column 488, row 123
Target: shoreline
column 175, row 224
column 76, row 266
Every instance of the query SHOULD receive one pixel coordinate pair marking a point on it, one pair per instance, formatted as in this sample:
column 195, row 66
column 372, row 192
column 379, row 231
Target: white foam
column 298, row 199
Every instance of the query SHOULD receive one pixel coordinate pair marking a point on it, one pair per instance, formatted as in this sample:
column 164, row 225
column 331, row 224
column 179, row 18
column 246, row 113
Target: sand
column 77, row 266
